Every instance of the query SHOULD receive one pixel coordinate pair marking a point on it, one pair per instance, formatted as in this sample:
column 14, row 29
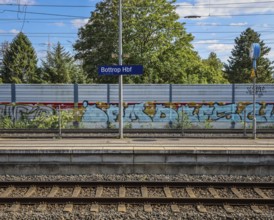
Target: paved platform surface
column 226, row 156
column 142, row 143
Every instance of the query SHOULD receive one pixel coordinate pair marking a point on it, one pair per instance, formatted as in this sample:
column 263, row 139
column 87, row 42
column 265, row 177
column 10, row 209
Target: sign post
column 121, row 110
column 120, row 70
column 255, row 51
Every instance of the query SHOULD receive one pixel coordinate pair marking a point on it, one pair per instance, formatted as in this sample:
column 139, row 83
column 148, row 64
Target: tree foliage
column 60, row 67
column 152, row 37
column 215, row 69
column 19, row 61
column 3, row 48
column 238, row 69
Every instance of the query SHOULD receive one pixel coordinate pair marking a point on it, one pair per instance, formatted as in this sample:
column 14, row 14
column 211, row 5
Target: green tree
column 60, row 67
column 78, row 74
column 214, row 68
column 238, row 69
column 3, row 48
column 20, row 61
column 152, row 37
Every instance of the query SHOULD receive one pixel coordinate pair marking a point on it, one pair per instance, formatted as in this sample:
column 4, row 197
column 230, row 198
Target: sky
column 46, row 22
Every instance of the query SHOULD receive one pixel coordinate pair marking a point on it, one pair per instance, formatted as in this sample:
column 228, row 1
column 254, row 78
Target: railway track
column 200, row 194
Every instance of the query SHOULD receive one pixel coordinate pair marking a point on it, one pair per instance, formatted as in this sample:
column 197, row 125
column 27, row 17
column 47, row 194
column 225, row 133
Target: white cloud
column 271, row 55
column 59, row 24
column 187, row 9
column 204, row 9
column 13, row 31
column 206, row 42
column 207, row 23
column 206, row 46
column 77, row 23
column 238, row 24
column 221, row 47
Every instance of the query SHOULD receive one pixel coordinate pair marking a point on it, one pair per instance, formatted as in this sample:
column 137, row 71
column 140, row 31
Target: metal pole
column 245, row 122
column 182, row 122
column 255, row 51
column 120, row 76
column 60, row 121
column 254, row 107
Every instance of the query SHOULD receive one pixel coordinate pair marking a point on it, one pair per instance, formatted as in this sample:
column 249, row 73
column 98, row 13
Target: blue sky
column 46, row 22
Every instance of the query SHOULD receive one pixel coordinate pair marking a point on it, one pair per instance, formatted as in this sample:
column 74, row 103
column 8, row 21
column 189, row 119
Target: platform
column 228, row 156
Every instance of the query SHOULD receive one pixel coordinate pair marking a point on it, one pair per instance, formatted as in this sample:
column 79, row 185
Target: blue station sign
column 120, row 70
column 254, row 53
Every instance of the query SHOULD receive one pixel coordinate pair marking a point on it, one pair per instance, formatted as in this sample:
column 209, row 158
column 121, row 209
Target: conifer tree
column 238, row 69
column 3, row 48
column 60, row 67
column 20, row 61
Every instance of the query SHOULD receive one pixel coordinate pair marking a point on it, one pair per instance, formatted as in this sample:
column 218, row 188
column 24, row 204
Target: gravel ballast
column 159, row 212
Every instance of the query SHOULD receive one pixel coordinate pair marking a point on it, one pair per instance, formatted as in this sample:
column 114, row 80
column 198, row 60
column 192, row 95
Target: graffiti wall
column 149, row 114
column 25, row 111
column 173, row 112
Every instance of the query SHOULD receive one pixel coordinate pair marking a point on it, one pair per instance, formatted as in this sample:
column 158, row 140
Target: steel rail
column 135, row 200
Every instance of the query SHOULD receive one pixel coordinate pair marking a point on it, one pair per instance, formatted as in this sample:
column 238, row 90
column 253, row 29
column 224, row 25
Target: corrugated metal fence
column 108, row 93
column 146, row 106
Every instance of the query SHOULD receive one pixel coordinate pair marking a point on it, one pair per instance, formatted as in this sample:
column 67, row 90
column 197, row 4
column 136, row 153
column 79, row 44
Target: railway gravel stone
column 138, row 177
column 159, row 212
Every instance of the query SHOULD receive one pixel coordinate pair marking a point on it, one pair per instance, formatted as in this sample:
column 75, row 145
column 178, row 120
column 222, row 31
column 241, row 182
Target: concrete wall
column 161, row 161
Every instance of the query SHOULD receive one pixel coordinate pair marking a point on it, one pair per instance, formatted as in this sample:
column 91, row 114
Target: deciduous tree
column 214, row 68
column 152, row 37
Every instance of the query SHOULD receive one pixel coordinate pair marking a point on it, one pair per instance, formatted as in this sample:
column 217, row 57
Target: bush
column 44, row 121
column 183, row 121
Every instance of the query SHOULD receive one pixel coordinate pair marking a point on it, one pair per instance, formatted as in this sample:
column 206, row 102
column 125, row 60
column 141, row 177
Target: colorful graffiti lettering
column 152, row 112
column 26, row 111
